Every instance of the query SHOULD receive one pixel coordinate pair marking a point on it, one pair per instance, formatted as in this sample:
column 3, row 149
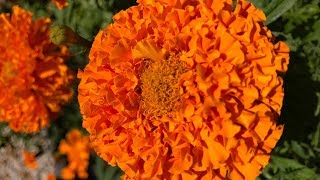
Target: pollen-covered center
column 160, row 88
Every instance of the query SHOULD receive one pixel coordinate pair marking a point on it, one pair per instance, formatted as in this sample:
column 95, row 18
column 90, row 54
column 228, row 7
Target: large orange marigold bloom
column 34, row 81
column 76, row 148
column 185, row 89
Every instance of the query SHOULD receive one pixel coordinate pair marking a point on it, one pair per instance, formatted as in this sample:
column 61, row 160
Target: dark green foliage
column 287, row 169
column 297, row 154
column 104, row 171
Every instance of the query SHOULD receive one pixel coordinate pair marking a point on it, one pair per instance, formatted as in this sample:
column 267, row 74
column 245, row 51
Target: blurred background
column 297, row 22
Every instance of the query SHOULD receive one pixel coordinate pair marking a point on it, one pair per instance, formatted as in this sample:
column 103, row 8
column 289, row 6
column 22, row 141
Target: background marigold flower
column 30, row 159
column 34, row 81
column 51, row 177
column 185, row 90
column 76, row 148
column 60, row 3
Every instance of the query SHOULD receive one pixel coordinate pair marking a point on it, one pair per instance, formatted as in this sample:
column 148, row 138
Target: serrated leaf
column 315, row 34
column 287, row 169
column 300, row 173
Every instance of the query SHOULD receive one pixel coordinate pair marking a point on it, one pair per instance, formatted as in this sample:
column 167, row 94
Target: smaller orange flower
column 30, row 159
column 76, row 148
column 51, row 176
column 60, row 3
column 34, row 79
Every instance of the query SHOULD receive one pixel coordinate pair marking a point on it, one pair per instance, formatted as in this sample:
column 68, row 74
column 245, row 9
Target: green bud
column 64, row 35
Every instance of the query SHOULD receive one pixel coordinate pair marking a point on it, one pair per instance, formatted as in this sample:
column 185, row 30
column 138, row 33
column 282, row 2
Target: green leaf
column 276, row 8
column 301, row 14
column 315, row 34
column 287, row 169
column 316, row 137
column 103, row 171
column 260, row 4
column 297, row 149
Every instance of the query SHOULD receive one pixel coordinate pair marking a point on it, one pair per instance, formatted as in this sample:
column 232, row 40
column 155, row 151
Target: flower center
column 160, row 88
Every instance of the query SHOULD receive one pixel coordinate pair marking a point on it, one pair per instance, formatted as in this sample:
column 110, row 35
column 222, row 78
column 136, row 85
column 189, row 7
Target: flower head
column 29, row 159
column 185, row 89
column 34, row 81
column 60, row 3
column 76, row 147
column 51, row 176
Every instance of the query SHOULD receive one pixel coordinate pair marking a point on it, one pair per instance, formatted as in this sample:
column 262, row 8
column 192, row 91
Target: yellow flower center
column 159, row 79
column 160, row 88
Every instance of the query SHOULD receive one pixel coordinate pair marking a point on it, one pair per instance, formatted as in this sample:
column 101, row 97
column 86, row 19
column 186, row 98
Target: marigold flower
column 60, row 3
column 34, row 81
column 76, row 147
column 30, row 159
column 51, row 176
column 185, row 89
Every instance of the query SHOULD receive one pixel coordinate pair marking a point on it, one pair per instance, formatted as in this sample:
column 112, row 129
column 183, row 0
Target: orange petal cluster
column 60, row 3
column 51, row 176
column 30, row 159
column 224, row 124
column 34, row 81
column 76, row 147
